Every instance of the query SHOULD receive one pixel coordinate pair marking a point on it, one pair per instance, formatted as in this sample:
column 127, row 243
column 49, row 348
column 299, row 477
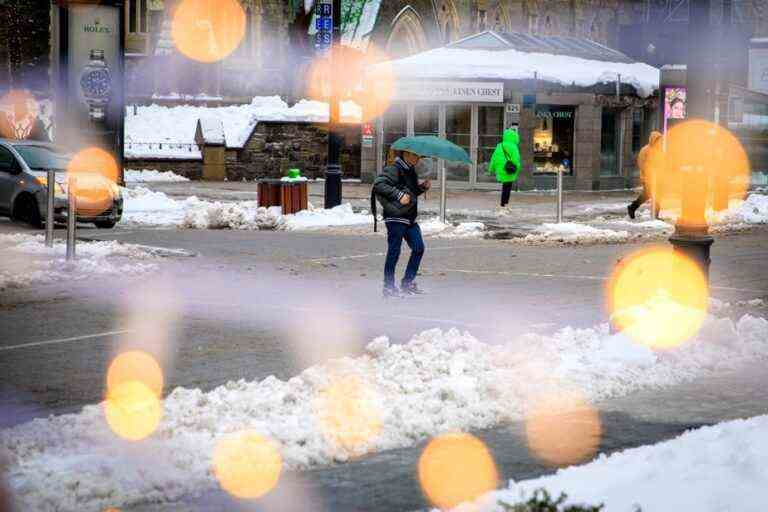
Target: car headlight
column 59, row 190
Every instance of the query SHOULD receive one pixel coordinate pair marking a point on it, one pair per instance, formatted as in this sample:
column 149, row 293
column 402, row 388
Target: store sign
column 758, row 69
column 460, row 92
column 323, row 25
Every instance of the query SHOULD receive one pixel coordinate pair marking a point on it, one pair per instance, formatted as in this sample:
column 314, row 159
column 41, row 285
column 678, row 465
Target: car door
column 8, row 180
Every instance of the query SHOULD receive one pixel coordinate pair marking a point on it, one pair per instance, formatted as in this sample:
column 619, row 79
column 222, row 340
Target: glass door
column 426, row 121
column 490, row 127
column 395, row 126
column 609, row 161
column 458, row 129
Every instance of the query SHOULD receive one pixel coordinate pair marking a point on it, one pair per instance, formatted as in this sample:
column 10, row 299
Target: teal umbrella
column 431, row 146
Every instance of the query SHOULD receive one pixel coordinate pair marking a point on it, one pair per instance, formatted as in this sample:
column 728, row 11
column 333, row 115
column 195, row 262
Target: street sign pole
column 333, row 167
column 49, row 209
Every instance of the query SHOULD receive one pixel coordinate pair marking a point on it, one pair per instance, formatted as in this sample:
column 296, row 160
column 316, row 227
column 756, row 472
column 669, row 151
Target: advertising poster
column 92, row 81
column 674, row 105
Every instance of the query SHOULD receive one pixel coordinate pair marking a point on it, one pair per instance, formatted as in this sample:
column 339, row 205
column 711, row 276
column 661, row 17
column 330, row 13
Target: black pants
column 641, row 199
column 506, row 189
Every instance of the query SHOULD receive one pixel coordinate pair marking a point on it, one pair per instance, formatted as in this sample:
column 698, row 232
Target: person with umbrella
column 398, row 188
column 505, row 163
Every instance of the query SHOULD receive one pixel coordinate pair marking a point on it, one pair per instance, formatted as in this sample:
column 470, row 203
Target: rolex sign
column 93, row 73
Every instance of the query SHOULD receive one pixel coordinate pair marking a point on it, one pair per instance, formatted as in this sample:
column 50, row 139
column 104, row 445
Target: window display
column 458, row 127
column 553, row 139
column 490, row 129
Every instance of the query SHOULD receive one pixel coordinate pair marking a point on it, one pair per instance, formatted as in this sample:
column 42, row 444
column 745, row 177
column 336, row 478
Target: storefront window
column 395, row 126
column 490, row 129
column 426, row 121
column 609, row 163
column 458, row 128
column 553, row 139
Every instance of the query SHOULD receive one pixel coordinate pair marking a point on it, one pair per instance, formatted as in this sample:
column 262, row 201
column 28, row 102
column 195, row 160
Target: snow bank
column 437, row 229
column 711, row 469
column 455, row 63
column 315, row 218
column 440, row 381
column 176, row 125
column 574, row 233
column 152, row 176
column 146, row 207
column 27, row 261
column 754, row 210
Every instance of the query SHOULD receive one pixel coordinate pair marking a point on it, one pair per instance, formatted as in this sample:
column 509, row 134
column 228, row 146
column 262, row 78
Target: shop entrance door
column 609, row 137
column 490, row 128
column 458, row 129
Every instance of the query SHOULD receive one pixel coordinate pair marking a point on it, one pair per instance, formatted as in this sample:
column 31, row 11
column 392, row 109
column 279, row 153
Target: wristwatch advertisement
column 96, row 85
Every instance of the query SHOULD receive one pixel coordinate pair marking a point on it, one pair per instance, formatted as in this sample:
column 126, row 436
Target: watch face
column 96, row 83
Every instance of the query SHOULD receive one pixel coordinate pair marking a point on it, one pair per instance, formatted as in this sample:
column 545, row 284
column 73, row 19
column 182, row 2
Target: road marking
column 370, row 254
column 520, row 274
column 65, row 340
column 570, row 276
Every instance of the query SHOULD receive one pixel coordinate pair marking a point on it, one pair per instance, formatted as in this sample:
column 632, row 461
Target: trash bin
column 292, row 196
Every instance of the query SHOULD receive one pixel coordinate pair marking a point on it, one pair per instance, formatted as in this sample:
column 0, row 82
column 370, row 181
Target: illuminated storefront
column 590, row 129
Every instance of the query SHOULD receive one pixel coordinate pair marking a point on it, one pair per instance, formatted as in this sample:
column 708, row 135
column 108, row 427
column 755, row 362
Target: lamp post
column 691, row 236
column 333, row 167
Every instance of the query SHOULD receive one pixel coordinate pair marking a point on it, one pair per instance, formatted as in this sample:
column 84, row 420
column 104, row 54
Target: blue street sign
column 324, row 26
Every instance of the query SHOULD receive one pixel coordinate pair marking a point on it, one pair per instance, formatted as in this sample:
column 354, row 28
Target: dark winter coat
column 389, row 187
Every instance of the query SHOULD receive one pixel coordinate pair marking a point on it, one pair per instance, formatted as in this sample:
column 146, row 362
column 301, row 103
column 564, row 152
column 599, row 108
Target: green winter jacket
column 507, row 149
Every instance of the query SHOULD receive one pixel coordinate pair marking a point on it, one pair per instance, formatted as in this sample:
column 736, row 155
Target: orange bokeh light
column 136, row 365
column 366, row 78
column 658, row 297
column 348, row 412
column 20, row 111
column 563, row 430
column 455, row 468
column 247, row 464
column 132, row 410
column 697, row 166
column 96, row 172
column 208, row 30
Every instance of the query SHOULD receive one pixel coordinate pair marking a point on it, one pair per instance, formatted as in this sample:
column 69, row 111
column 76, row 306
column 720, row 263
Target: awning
column 565, row 61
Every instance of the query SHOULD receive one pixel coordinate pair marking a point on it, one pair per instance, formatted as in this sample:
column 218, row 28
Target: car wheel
column 25, row 209
column 105, row 224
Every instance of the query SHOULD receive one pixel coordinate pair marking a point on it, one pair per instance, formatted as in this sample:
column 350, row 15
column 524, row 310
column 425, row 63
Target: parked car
column 24, row 186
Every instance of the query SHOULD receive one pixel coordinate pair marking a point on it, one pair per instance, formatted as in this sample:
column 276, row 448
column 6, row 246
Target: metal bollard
column 49, row 209
column 559, row 197
column 441, row 170
column 71, row 218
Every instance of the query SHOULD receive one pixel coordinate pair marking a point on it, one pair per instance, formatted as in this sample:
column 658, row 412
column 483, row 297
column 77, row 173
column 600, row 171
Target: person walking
column 505, row 163
column 397, row 188
column 647, row 176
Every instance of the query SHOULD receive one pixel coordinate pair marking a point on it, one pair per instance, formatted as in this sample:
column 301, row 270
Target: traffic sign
column 324, row 25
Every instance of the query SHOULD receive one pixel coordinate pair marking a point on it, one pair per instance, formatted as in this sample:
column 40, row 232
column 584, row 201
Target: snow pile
column 574, row 233
column 437, row 229
column 297, row 179
column 154, row 124
column 752, row 211
column 28, row 261
column 152, row 176
column 244, row 215
column 711, row 469
column 211, row 130
column 150, row 208
column 438, row 382
column 314, row 218
column 455, row 63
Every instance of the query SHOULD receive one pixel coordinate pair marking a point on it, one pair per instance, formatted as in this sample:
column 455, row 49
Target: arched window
column 407, row 35
column 448, row 20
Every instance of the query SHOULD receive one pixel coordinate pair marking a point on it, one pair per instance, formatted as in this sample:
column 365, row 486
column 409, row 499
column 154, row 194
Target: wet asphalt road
column 253, row 304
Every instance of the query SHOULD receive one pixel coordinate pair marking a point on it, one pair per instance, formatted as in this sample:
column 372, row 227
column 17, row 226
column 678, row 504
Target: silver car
column 24, row 186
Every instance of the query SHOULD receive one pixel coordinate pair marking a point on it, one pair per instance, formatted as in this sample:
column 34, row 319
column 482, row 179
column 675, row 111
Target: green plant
column 541, row 501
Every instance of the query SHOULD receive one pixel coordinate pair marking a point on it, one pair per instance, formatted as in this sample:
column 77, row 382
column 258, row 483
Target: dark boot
column 631, row 209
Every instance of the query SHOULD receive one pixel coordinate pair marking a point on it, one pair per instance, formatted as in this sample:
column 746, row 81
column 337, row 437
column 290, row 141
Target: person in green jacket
column 508, row 150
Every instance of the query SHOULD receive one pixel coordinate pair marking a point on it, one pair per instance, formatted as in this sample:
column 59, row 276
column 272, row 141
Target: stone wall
column 275, row 147
column 192, row 169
